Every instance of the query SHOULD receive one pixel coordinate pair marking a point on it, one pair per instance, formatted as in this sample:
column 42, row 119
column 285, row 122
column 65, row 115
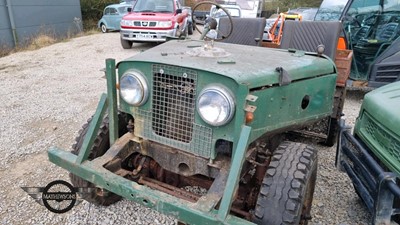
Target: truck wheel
column 287, row 189
column 103, row 28
column 100, row 146
column 126, row 44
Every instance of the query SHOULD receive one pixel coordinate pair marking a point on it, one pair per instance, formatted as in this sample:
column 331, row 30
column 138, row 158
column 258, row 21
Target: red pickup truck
column 153, row 21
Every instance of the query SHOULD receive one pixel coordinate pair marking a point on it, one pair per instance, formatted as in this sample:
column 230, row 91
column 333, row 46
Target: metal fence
column 22, row 20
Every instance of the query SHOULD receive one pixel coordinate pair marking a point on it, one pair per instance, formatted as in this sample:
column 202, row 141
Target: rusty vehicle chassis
column 152, row 186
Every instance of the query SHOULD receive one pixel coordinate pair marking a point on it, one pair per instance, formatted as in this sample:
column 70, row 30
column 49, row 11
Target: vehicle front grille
column 173, row 105
column 387, row 73
column 144, row 23
column 171, row 120
column 382, row 138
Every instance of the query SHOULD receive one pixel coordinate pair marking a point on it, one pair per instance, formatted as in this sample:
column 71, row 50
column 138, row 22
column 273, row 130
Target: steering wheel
column 210, row 23
column 352, row 20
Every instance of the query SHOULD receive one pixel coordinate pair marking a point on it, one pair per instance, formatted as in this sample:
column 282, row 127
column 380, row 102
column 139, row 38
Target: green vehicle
column 371, row 155
column 207, row 114
column 371, row 28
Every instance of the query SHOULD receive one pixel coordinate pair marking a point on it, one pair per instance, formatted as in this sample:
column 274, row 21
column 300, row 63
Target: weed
column 40, row 41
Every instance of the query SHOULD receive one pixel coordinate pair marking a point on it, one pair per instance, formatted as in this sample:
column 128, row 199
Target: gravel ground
column 45, row 97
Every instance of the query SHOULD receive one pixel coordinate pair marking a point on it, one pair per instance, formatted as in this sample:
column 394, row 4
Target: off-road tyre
column 100, row 146
column 103, row 28
column 287, row 189
column 126, row 44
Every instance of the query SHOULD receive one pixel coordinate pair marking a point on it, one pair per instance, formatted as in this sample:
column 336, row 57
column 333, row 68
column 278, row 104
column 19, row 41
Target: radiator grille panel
column 384, row 139
column 170, row 120
column 173, row 106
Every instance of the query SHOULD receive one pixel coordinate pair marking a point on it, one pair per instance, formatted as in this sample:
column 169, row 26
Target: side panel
column 287, row 106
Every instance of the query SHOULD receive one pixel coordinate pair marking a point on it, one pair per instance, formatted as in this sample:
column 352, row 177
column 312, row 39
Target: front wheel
column 100, row 146
column 126, row 44
column 287, row 189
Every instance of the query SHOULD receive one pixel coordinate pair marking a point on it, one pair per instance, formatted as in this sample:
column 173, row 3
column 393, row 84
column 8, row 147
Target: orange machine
column 275, row 32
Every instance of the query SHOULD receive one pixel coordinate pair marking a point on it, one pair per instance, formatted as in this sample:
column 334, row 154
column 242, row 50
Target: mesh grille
column 384, row 139
column 171, row 119
column 173, row 105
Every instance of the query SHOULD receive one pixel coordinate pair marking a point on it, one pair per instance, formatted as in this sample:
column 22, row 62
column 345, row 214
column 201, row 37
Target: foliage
column 92, row 10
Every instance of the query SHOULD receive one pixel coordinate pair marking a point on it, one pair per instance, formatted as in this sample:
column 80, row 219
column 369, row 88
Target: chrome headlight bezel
column 136, row 79
column 225, row 95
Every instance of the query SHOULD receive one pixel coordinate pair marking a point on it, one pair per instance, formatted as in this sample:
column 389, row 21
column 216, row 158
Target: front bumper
column 376, row 187
column 146, row 35
column 194, row 213
column 203, row 211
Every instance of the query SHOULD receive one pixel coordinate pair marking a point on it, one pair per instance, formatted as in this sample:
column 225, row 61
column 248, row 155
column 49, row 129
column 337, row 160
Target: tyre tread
column 291, row 163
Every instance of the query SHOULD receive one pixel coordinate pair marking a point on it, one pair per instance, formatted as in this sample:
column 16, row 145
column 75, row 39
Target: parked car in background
column 154, row 21
column 112, row 16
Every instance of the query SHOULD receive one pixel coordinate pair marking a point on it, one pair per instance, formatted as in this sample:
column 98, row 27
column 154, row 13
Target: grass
column 44, row 39
column 40, row 41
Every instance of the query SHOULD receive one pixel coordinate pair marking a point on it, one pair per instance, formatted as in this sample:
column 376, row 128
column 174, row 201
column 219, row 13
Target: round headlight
column 133, row 88
column 216, row 105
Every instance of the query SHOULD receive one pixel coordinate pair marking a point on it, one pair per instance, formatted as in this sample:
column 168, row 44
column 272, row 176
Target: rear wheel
column 287, row 190
column 101, row 145
column 103, row 28
column 126, row 44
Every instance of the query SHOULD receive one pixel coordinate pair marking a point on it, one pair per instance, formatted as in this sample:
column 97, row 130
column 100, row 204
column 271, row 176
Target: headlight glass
column 216, row 105
column 133, row 88
column 165, row 23
column 126, row 23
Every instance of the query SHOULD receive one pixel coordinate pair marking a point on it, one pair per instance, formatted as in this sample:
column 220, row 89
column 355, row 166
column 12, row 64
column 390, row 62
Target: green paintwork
column 234, row 174
column 281, row 107
column 378, row 124
column 250, row 71
column 257, row 76
column 254, row 66
column 94, row 172
column 92, row 131
column 112, row 99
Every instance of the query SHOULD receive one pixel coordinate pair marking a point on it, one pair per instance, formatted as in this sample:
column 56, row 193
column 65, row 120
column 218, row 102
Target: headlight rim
column 227, row 95
column 143, row 83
